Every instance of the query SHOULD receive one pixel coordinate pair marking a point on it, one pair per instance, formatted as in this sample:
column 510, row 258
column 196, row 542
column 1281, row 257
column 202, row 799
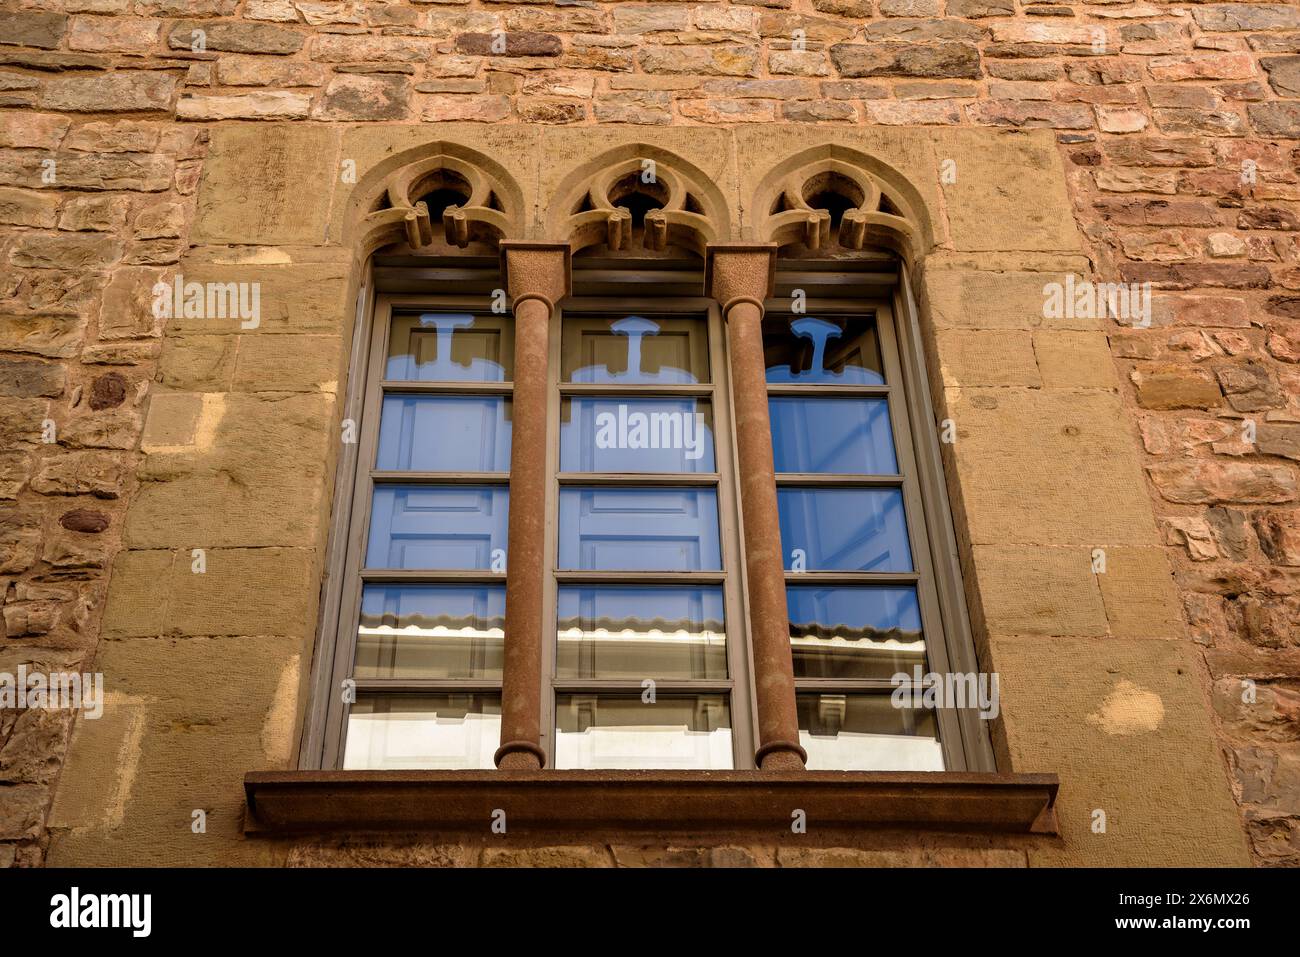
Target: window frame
column 923, row 576
column 365, row 477
column 855, row 287
column 737, row 686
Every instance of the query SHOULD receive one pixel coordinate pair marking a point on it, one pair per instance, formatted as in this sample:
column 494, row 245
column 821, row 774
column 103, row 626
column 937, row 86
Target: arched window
column 572, row 528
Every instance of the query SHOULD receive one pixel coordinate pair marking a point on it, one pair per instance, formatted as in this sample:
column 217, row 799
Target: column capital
column 537, row 270
column 740, row 271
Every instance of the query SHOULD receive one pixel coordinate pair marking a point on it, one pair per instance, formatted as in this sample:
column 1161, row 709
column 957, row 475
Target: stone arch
column 831, row 188
column 636, row 190
column 476, row 199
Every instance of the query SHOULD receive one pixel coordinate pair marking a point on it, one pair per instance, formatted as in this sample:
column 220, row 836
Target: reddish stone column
column 537, row 277
column 740, row 277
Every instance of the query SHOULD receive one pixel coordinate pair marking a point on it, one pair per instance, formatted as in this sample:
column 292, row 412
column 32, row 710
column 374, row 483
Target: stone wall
column 1176, row 126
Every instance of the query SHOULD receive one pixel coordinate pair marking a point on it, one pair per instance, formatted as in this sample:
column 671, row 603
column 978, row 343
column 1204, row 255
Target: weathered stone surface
column 1091, row 711
column 107, row 391
column 33, row 130
column 364, row 98
column 80, row 473
column 1203, row 66
column 278, row 105
column 145, row 172
column 84, row 520
column 113, row 35
column 268, row 71
column 1139, row 593
column 22, row 810
column 1039, row 591
column 1279, row 439
column 704, row 61
column 31, row 28
column 247, row 194
column 1276, row 119
column 117, row 92
column 234, row 37
column 1176, row 387
column 509, row 44
column 241, row 592
column 94, row 213
column 1229, row 17
column 21, row 208
column 1283, row 74
column 20, row 539
column 1200, row 482
column 1279, row 536
column 899, row 59
column 31, row 377
column 34, row 251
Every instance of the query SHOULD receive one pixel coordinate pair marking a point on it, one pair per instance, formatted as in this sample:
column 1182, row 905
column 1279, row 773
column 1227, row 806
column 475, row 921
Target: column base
column 519, row 756
column 781, row 756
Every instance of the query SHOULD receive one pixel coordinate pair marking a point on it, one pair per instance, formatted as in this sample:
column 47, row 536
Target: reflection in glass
column 844, row 529
column 639, row 529
column 865, row 732
column 640, row 631
column 450, row 347
column 446, row 731
column 620, row 731
column 457, row 527
column 636, row 435
column 850, row 436
column 834, row 349
column 867, row 631
column 431, row 631
column 634, row 349
column 436, row 433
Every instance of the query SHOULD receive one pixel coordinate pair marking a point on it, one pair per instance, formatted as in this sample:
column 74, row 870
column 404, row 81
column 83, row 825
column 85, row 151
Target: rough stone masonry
column 1178, row 123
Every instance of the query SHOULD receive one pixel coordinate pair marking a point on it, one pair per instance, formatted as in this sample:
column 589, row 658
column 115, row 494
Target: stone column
column 740, row 277
column 537, row 277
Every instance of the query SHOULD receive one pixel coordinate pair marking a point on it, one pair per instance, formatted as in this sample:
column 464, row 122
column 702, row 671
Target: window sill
column 283, row 802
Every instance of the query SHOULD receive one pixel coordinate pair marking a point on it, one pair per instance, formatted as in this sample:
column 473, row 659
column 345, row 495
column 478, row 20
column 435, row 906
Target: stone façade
column 170, row 435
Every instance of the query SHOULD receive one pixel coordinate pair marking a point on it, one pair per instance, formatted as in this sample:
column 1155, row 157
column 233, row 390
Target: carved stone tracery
column 680, row 207
column 476, row 202
column 799, row 203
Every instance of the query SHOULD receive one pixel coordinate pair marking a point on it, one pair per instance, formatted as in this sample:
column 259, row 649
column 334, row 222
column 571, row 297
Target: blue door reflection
column 639, row 529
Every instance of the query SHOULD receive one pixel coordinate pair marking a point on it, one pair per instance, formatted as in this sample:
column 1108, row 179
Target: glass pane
column 637, row 632
column 865, row 732
column 620, row 731
column 871, row 631
column 450, row 347
column 833, row 349
column 639, row 529
column 844, row 529
column 850, row 436
column 636, row 435
column 447, row 731
column 458, row 527
column 634, row 349
column 437, row 433
column 431, row 631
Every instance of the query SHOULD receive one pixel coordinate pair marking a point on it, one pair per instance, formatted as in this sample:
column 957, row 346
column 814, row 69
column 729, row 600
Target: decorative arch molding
column 797, row 202
column 387, row 205
column 682, row 205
